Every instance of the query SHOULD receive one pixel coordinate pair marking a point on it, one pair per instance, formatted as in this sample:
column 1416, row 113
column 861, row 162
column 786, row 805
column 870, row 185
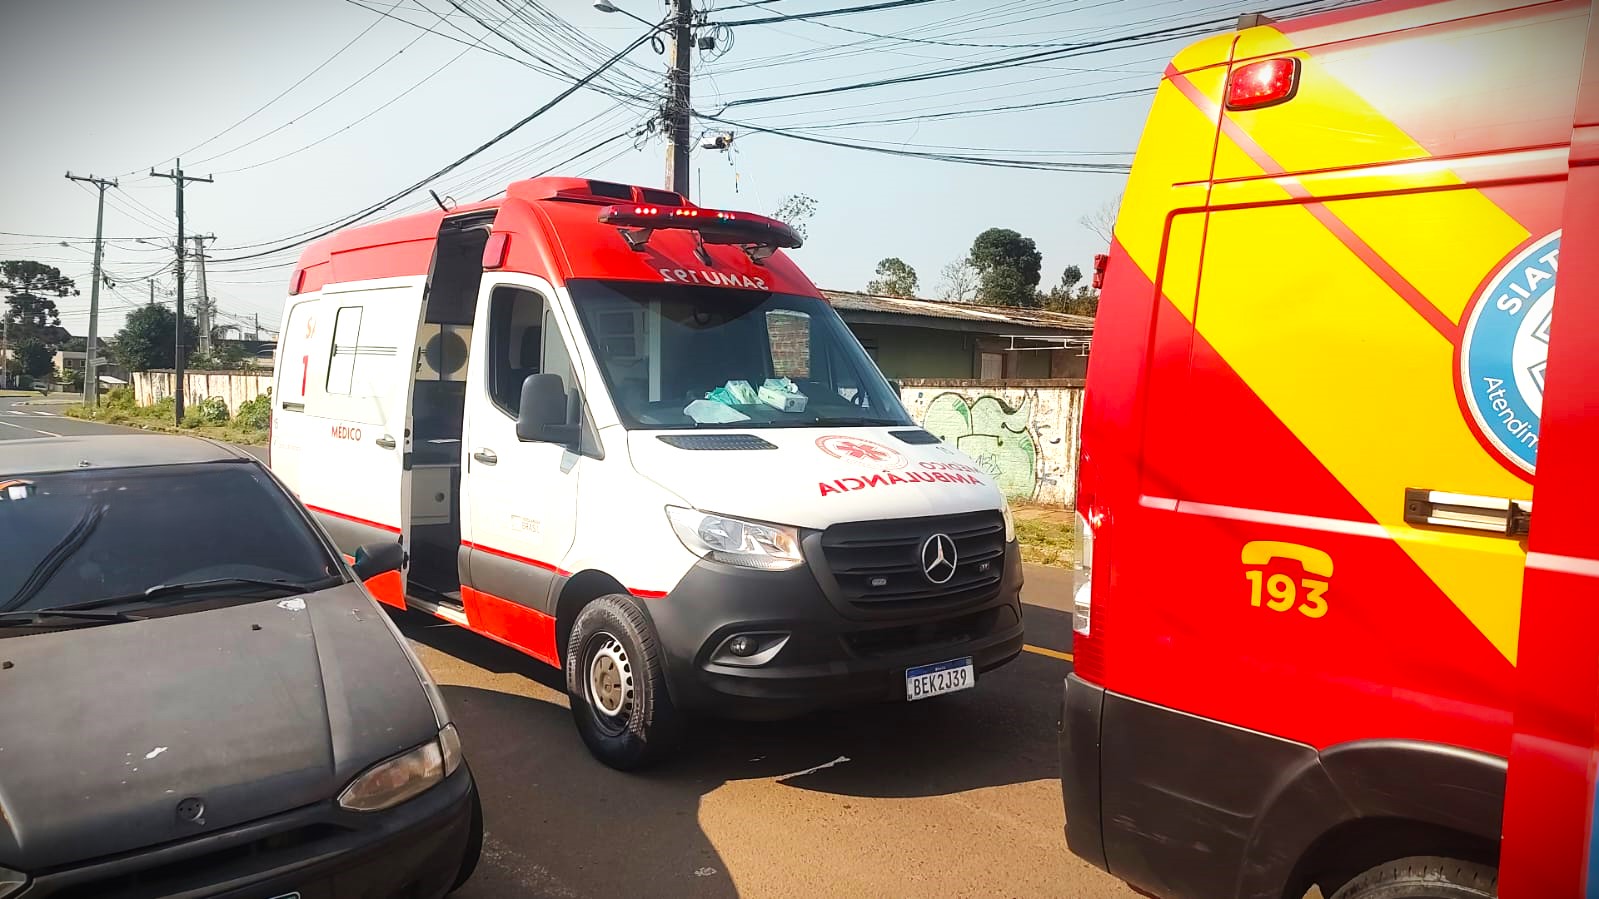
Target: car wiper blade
column 210, row 585
column 850, row 422
column 65, row 617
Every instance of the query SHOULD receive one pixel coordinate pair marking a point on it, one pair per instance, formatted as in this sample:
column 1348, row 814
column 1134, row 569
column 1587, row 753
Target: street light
column 604, row 6
column 655, row 27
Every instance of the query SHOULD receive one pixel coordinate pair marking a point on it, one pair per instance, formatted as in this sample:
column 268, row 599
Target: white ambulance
column 625, row 435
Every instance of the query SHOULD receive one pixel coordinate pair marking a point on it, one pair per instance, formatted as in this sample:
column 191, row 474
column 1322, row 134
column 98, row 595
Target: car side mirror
column 373, row 559
column 896, row 387
column 544, row 414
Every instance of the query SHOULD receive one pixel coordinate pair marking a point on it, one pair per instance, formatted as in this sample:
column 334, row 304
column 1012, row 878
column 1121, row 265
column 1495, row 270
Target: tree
column 34, row 359
column 147, row 341
column 1060, row 296
column 895, row 278
column 1102, row 221
column 795, row 211
column 1008, row 267
column 958, row 282
column 31, row 288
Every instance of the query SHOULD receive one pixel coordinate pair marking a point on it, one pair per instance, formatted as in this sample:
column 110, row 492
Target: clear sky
column 112, row 88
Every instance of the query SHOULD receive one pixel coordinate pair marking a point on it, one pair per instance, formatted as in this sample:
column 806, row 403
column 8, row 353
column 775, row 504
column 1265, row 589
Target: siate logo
column 864, row 452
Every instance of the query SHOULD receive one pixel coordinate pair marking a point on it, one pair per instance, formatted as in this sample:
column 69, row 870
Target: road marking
column 34, row 430
column 1052, row 653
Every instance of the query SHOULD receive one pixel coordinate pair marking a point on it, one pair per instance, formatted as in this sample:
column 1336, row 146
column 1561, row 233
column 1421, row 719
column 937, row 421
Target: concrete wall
column 234, row 387
column 1025, row 434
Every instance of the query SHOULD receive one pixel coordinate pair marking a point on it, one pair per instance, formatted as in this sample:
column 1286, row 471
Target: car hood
column 253, row 709
column 815, row 477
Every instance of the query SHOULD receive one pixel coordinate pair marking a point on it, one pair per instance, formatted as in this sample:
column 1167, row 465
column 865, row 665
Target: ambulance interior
column 438, row 406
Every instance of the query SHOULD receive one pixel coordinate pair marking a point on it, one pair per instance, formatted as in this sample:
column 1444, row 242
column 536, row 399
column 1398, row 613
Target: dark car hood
column 254, row 709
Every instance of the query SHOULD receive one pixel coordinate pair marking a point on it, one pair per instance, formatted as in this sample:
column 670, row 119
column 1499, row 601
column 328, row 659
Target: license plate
column 938, row 679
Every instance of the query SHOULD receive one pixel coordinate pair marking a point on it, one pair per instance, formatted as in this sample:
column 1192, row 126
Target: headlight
column 405, row 776
column 736, row 542
column 11, row 881
column 1010, row 523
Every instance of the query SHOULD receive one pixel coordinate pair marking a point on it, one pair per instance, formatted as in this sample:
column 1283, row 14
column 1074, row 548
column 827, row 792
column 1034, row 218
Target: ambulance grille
column 877, row 564
column 716, row 442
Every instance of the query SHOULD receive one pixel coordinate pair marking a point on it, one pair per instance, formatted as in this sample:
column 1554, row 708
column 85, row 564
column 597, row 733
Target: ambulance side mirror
column 543, row 416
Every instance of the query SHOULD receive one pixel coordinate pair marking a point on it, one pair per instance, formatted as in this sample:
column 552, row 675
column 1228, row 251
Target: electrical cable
column 380, row 205
column 324, row 139
column 263, row 107
column 849, row 10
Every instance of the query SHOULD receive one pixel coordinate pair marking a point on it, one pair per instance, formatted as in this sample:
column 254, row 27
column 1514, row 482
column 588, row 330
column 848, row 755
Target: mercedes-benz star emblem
column 938, row 558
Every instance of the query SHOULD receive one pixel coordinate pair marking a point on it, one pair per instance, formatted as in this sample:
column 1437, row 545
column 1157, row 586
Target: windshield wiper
column 64, row 618
column 57, row 556
column 844, row 421
column 210, row 585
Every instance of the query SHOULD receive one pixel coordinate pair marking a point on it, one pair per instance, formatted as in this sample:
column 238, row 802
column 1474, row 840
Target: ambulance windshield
column 682, row 356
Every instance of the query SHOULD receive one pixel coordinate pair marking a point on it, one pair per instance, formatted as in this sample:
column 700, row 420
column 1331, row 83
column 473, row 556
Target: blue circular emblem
column 1504, row 348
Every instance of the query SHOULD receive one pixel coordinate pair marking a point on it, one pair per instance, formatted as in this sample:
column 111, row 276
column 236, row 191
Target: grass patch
column 1045, row 542
column 203, row 419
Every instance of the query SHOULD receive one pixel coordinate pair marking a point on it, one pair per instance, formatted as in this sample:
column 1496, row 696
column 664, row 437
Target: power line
column 993, row 162
column 380, row 205
column 1190, row 29
column 341, row 92
column 395, row 99
column 285, row 92
column 872, row 7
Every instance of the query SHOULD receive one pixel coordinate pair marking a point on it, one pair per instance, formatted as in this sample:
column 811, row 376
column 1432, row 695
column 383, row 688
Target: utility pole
column 202, row 303
column 677, row 97
column 179, row 179
column 91, row 346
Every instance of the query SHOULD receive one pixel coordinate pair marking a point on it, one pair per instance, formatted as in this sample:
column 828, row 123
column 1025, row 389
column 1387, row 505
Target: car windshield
column 677, row 356
column 75, row 537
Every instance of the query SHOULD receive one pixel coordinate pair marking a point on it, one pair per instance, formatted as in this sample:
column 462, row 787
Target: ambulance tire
column 1423, row 877
column 616, row 685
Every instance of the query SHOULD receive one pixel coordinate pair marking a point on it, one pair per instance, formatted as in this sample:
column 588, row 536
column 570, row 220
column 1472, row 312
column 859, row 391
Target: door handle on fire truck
column 486, row 456
column 1489, row 514
column 385, row 441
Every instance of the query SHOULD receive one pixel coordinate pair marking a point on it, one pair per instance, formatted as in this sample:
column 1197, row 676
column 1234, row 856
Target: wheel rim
column 609, row 682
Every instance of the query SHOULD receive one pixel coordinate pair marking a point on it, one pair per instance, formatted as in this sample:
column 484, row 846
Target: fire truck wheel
column 616, row 684
column 1423, row 877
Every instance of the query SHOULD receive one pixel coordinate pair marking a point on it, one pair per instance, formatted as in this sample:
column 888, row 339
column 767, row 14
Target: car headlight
column 747, row 544
column 1010, row 523
column 410, row 774
column 11, row 882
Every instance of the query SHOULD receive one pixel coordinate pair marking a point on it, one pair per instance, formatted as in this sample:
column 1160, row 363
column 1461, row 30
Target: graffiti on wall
column 997, row 436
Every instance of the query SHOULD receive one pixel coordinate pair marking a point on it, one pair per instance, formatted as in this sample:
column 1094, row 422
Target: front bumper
column 830, row 660
column 317, row 852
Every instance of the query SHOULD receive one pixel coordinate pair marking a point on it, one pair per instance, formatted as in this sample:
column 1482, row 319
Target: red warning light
column 1264, row 83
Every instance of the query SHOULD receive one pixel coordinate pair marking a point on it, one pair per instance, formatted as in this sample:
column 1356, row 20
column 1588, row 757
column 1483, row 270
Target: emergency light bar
column 758, row 235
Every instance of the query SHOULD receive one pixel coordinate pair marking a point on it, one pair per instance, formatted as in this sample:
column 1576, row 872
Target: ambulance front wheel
column 1423, row 878
column 616, row 684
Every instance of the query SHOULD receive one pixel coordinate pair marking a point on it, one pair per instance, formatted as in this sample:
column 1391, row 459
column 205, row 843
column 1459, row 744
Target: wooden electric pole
column 677, row 97
column 179, row 179
column 91, row 346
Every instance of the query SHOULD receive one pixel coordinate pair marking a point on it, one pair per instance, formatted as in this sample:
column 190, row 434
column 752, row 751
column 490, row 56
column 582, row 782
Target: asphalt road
column 25, row 418
column 955, row 796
